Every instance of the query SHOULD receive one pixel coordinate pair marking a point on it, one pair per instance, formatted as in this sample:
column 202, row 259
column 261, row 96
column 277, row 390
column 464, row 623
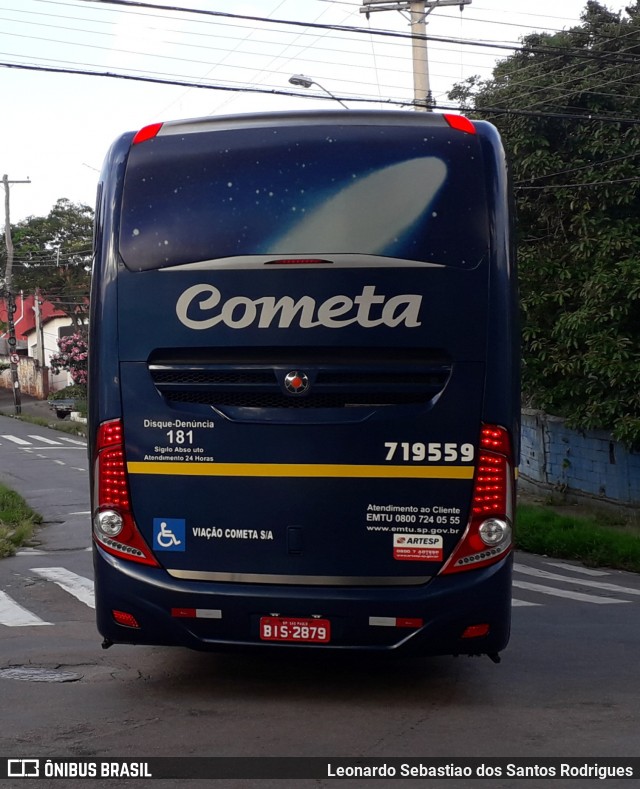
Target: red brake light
column 297, row 262
column 460, row 122
column 492, row 498
column 147, row 133
column 112, row 494
column 495, row 438
column 113, row 490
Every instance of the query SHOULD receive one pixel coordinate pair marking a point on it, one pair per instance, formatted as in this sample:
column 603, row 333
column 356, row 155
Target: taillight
column 113, row 525
column 488, row 536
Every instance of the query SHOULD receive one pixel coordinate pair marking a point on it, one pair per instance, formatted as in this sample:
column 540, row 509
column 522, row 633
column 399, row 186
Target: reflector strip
column 393, row 621
column 299, row 470
column 196, row 613
column 125, row 619
column 476, row 631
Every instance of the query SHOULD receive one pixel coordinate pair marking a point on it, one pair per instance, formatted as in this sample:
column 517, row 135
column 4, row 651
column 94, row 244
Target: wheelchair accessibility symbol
column 169, row 534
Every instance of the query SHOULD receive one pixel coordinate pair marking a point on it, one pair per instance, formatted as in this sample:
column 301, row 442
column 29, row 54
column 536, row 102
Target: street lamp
column 306, row 82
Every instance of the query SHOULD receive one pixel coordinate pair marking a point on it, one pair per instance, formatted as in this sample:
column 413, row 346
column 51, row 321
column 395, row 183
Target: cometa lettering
column 201, row 307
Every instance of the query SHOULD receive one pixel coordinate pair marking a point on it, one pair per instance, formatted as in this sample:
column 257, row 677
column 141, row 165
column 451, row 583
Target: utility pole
column 37, row 308
column 418, row 10
column 8, row 291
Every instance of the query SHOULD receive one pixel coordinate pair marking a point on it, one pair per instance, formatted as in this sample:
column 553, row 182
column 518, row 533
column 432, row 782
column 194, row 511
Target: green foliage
column 17, row 522
column 72, row 392
column 577, row 192
column 587, row 540
column 53, row 253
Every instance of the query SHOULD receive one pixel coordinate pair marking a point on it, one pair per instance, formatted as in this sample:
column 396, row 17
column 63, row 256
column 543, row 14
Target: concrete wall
column 586, row 462
column 34, row 379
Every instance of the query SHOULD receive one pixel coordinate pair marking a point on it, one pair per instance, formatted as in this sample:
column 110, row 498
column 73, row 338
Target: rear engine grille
column 266, row 400
column 366, row 379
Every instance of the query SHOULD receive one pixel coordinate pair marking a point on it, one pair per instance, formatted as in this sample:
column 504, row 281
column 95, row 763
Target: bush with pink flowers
column 72, row 357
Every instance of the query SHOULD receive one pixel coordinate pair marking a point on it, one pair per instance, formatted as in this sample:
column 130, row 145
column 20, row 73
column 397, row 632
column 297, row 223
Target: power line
column 369, row 31
column 579, row 169
column 580, row 185
column 186, row 84
column 583, row 116
column 361, row 30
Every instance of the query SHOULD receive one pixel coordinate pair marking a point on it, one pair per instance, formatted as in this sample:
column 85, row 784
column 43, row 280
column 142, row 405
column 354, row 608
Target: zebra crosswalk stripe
column 77, row 585
column 20, row 441
column 61, row 442
column 598, row 585
column 555, row 592
column 14, row 615
column 46, row 440
column 577, row 569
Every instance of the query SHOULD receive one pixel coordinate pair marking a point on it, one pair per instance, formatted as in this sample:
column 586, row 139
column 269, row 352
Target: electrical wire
column 132, row 8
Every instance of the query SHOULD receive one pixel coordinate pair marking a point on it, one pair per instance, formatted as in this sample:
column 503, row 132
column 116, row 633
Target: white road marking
column 20, row 441
column 73, row 441
column 522, row 603
column 14, row 615
column 38, row 552
column 583, row 598
column 77, row 585
column 46, row 440
column 577, row 581
column 574, row 568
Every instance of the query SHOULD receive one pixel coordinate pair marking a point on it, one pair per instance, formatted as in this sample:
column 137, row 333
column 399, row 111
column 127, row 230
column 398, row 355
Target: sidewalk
column 30, row 405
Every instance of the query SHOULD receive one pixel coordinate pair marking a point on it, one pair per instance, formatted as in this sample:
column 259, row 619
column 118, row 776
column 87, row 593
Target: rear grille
column 358, row 379
column 266, row 400
column 185, row 377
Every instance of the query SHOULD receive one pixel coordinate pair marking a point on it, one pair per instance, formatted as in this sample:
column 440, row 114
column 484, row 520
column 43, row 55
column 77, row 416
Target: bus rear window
column 406, row 193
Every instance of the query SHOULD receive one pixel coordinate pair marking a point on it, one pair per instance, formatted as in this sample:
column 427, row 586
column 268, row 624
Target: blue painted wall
column 588, row 462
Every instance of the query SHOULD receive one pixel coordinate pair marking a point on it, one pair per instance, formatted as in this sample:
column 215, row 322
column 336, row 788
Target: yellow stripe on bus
column 195, row 469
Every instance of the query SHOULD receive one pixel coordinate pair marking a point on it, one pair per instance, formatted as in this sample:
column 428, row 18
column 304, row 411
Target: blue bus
column 303, row 385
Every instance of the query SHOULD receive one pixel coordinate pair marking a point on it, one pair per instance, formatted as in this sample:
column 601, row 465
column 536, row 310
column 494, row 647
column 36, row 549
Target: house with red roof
column 32, row 342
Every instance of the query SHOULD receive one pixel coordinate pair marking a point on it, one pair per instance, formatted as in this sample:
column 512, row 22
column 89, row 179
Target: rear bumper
column 216, row 616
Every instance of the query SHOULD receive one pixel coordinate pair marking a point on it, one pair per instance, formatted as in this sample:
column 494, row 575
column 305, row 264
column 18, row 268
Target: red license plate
column 279, row 628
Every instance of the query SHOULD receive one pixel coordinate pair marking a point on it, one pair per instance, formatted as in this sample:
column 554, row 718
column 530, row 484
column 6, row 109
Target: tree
column 53, row 253
column 568, row 108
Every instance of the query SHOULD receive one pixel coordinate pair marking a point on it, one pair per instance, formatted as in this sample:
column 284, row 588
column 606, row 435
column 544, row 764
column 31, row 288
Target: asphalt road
column 567, row 685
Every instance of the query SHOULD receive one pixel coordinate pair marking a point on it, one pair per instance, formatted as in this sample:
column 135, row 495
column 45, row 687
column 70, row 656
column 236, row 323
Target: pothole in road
column 35, row 674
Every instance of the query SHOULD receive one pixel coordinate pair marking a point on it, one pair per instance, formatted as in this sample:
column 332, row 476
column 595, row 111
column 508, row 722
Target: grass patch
column 17, row 522
column 593, row 541
column 70, row 427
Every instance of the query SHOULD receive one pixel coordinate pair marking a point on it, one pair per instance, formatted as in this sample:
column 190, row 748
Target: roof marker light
column 460, row 122
column 147, row 133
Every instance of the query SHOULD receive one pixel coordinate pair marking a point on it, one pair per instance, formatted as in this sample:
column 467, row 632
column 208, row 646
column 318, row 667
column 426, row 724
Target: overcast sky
column 56, row 128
